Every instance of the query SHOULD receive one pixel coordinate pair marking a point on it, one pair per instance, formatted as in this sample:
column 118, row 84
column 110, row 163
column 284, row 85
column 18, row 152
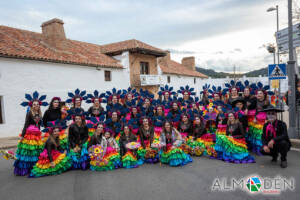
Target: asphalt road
column 193, row 181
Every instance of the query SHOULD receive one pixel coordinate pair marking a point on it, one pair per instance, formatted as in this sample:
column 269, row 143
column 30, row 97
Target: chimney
column 53, row 33
column 189, row 62
column 168, row 56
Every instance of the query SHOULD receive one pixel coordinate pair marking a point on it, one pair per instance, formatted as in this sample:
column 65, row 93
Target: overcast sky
column 219, row 33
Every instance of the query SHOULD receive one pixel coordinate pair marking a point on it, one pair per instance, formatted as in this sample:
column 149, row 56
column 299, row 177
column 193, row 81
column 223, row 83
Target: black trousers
column 281, row 147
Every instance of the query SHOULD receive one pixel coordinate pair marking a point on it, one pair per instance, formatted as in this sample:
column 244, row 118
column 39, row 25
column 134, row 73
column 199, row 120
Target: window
column 107, row 75
column 144, row 68
column 1, row 111
column 169, row 79
column 194, row 80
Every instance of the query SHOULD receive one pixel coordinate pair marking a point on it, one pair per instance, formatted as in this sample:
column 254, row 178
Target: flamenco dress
column 99, row 162
column 254, row 134
column 231, row 149
column 28, row 151
column 43, row 165
column 174, row 156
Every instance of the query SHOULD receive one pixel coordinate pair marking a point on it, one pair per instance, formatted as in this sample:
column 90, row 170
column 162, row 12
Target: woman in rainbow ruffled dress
column 78, row 141
column 30, row 146
column 232, row 147
column 128, row 148
column 170, row 141
column 147, row 153
column 53, row 160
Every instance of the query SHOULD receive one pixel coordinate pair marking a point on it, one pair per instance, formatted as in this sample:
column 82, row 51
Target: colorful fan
column 133, row 145
column 8, row 155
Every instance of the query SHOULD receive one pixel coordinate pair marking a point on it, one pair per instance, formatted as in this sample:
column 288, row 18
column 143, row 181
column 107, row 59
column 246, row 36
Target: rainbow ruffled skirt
column 208, row 141
column 110, row 161
column 80, row 159
column 234, row 150
column 28, row 151
column 129, row 160
column 43, row 167
column 174, row 157
column 147, row 155
column 196, row 148
column 254, row 134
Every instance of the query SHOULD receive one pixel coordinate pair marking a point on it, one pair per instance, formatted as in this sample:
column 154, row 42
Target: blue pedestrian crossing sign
column 277, row 71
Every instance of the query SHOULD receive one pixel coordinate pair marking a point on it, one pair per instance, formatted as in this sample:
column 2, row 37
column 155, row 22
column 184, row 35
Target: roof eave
column 137, row 50
column 58, row 61
column 184, row 75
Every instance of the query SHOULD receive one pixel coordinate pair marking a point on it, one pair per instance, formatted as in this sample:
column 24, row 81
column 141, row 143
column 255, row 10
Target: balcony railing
column 150, row 79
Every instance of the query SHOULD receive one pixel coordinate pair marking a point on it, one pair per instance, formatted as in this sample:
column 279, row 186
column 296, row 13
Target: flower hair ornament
column 260, row 87
column 187, row 89
column 166, row 89
column 76, row 112
column 205, row 89
column 60, row 124
column 145, row 94
column 90, row 98
column 95, row 121
column 245, row 85
column 34, row 97
column 77, row 94
column 131, row 91
column 114, row 92
column 232, row 84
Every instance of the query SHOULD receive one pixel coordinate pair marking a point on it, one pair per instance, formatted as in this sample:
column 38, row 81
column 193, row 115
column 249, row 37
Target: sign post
column 282, row 38
column 277, row 71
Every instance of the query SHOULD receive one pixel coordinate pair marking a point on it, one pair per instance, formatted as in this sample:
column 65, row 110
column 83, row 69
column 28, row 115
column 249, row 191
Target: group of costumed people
column 226, row 124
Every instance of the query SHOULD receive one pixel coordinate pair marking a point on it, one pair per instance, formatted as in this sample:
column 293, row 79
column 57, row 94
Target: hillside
column 212, row 73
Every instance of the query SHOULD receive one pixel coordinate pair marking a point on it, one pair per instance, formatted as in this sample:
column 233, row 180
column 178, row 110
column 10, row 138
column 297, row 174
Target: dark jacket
column 51, row 115
column 77, row 135
column 238, row 130
column 281, row 133
column 146, row 136
column 96, row 139
column 185, row 128
column 198, row 130
column 250, row 102
column 29, row 120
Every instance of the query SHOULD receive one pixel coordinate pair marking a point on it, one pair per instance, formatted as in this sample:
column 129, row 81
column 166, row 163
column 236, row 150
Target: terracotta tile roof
column 17, row 43
column 172, row 67
column 130, row 45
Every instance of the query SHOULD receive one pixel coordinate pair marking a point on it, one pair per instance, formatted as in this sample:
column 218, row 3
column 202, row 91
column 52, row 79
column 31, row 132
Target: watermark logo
column 254, row 184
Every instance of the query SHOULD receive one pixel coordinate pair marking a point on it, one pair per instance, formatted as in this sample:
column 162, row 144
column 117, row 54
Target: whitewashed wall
column 18, row 77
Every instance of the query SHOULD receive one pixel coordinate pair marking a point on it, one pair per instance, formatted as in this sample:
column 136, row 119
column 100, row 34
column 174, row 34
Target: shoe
column 283, row 164
column 274, row 160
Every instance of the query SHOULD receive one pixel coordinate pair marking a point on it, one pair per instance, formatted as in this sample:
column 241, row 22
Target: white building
column 52, row 65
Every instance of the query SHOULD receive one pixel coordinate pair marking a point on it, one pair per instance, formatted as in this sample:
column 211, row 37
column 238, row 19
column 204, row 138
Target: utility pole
column 278, row 55
column 291, row 75
column 234, row 77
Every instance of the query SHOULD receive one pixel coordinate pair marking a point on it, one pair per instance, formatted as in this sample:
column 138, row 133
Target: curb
column 8, row 142
column 8, row 147
column 295, row 143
